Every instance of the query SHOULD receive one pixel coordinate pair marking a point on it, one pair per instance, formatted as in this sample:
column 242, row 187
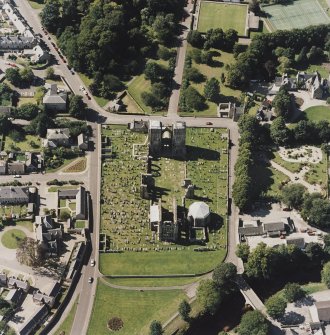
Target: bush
column 293, row 292
column 193, row 74
column 115, row 324
column 195, row 38
column 276, row 306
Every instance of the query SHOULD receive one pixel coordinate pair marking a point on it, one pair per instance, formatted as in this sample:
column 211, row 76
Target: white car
column 92, row 262
column 90, row 280
column 82, row 88
column 17, row 176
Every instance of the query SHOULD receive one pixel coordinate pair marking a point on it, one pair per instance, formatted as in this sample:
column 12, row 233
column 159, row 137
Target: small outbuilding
column 199, row 214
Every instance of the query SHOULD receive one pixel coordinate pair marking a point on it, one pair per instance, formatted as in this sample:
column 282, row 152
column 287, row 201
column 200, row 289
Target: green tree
column 259, row 262
column 293, row 195
column 282, row 103
column 64, row 216
column 253, row 323
column 13, row 76
column 242, row 191
column 193, row 99
column 77, row 107
column 40, row 124
column 30, row 252
column 224, row 276
column 279, row 132
column 293, row 292
column 156, row 328
column 184, row 310
column 50, row 15
column 276, row 306
column 5, row 124
column 325, row 274
column 16, row 136
column 209, row 296
column 195, row 38
column 212, row 89
column 194, row 75
column 26, row 111
column 27, row 75
column 326, row 241
column 50, row 73
column 243, row 251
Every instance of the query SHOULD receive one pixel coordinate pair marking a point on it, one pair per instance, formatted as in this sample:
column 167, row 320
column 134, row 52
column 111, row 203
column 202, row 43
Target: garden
column 125, row 215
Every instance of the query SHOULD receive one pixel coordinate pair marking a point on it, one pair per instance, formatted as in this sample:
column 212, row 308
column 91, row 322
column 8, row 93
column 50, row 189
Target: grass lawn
column 80, row 224
column 161, row 263
column 314, row 287
column 24, row 145
column 65, row 187
column 317, row 113
column 66, row 162
column 66, row 326
column 23, row 101
column 220, row 59
column 72, row 206
column 220, row 15
column 62, row 202
column 139, row 85
column 11, row 238
column 131, row 106
column 268, row 181
column 318, row 173
column 26, row 224
column 152, row 282
column 36, row 5
column 136, row 309
column 291, row 166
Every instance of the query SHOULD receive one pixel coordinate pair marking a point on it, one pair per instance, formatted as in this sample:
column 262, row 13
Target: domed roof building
column 199, row 214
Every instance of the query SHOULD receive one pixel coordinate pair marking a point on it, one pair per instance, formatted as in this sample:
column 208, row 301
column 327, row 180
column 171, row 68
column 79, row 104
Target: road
column 86, row 299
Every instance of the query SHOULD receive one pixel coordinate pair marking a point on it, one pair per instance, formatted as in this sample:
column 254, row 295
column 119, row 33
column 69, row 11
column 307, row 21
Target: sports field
column 298, row 14
column 222, row 15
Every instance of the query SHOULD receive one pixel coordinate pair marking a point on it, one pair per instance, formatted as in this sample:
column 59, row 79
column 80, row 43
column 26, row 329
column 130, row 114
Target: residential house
column 48, row 234
column 230, row 110
column 79, row 195
column 15, row 296
column 37, row 54
column 273, row 228
column 33, row 321
column 54, row 100
column 57, row 138
column 49, row 295
column 250, row 228
column 82, row 142
column 3, row 167
column 14, row 283
column 11, row 195
column 298, row 241
column 16, row 167
column 32, row 163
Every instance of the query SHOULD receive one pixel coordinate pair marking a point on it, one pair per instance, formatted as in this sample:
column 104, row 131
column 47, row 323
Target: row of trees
column 266, row 52
column 109, row 41
column 243, row 190
column 271, row 263
column 20, row 77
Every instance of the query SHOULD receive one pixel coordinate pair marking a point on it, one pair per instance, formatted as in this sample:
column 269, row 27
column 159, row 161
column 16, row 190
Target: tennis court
column 222, row 15
column 299, row 14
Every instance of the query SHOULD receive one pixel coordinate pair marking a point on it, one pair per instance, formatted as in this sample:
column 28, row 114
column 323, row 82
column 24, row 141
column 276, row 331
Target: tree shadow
column 196, row 153
column 292, row 318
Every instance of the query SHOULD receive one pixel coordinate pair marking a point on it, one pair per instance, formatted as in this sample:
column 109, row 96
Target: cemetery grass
column 136, row 309
column 220, row 59
column 151, row 282
column 125, row 215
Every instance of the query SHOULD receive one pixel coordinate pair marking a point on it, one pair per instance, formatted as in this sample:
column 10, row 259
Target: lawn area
column 65, row 163
column 152, row 282
column 136, row 309
column 127, row 227
column 222, row 15
column 62, row 202
column 65, row 187
column 318, row 173
column 26, row 224
column 139, row 85
column 220, row 59
column 12, row 237
column 317, row 113
column 291, row 166
column 66, row 326
column 8, row 210
column 161, row 263
column 36, row 5
column 24, row 145
column 314, row 287
column 80, row 224
column 23, row 101
column 131, row 106
column 268, row 181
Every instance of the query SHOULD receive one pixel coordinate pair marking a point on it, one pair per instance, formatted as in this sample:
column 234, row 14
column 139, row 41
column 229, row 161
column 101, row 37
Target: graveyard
column 127, row 244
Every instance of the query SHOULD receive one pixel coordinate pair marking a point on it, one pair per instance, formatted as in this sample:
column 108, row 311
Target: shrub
column 115, row 324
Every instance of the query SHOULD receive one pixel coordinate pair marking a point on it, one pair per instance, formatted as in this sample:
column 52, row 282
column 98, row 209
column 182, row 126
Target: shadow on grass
column 196, row 153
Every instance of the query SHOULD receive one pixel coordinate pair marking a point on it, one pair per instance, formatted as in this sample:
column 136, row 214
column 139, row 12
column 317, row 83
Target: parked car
column 209, row 123
column 17, row 176
column 93, row 262
column 90, row 280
